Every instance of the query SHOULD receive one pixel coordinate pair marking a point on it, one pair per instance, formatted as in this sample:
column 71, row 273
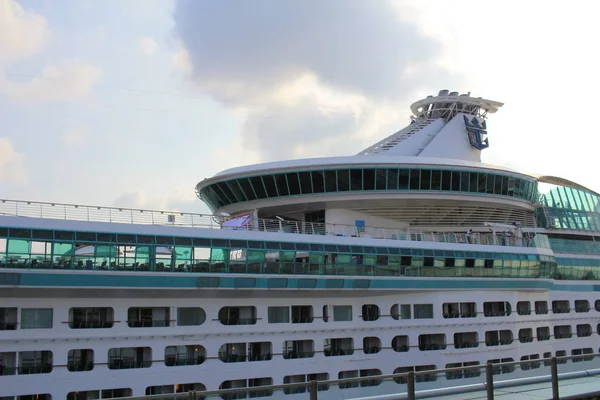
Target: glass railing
column 560, row 377
column 120, row 215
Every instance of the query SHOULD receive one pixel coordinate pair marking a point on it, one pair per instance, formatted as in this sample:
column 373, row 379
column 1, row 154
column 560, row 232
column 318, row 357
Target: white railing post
column 41, row 211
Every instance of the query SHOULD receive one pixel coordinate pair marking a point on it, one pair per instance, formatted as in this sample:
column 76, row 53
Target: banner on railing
column 239, row 222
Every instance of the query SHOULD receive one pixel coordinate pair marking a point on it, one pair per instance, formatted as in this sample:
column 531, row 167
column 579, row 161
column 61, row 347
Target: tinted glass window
column 317, row 181
column 392, row 179
column 356, row 179
column 343, row 177
column 227, row 192
column 403, row 177
column 425, row 179
column 237, row 191
column 330, row 181
column 293, row 183
column 369, row 179
column 464, row 181
column 219, row 196
column 269, row 182
column 446, row 180
column 245, row 185
column 489, row 186
column 482, row 181
column 455, row 184
column 305, row 183
column 474, row 184
column 282, row 186
column 258, row 186
column 380, row 179
column 436, row 180
column 414, row 179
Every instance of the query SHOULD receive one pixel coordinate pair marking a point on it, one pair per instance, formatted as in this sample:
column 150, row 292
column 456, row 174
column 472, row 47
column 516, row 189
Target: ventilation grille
column 391, row 141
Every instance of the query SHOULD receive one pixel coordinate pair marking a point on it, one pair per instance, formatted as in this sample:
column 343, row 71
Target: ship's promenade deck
column 120, row 215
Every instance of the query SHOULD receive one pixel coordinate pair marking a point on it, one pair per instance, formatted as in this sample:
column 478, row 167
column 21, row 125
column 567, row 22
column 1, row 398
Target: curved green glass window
column 269, row 186
column 570, row 208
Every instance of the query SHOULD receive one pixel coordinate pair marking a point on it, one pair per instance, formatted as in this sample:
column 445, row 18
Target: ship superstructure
column 411, row 255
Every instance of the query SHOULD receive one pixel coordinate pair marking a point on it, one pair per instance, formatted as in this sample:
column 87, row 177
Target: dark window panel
column 343, row 177
column 482, row 181
column 107, row 238
column 269, row 182
column 58, row 235
column 455, row 184
column 474, row 182
column 124, row 238
column 181, row 241
column 238, row 244
column 272, row 245
column 305, row 183
column 392, row 179
column 248, row 191
column 425, row 179
column 220, row 243
column 356, row 179
column 302, row 246
column 446, row 177
column 37, row 234
column 318, row 181
column 369, row 179
column 489, row 186
column 168, row 240
column 330, row 181
column 293, row 183
column 85, row 236
column 220, row 196
column 380, row 179
column 259, row 188
column 497, row 184
column 403, row 179
column 237, row 191
column 288, row 246
column 26, row 234
column 227, row 192
column 282, row 186
column 209, row 195
column 436, row 180
column 414, row 179
column 464, row 181
column 505, row 185
column 148, row 239
column 201, row 242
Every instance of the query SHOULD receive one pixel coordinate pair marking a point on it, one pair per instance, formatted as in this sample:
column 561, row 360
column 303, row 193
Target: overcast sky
column 131, row 103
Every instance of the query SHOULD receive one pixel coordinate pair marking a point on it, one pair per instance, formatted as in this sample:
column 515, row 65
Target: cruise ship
column 412, row 255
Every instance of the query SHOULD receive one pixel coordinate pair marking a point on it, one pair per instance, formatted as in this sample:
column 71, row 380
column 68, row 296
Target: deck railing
column 75, row 212
column 483, row 381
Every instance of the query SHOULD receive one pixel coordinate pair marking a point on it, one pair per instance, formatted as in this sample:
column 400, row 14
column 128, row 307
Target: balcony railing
column 76, row 212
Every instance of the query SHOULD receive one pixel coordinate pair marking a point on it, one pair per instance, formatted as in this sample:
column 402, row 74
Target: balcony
column 371, row 345
column 192, row 354
column 245, row 315
column 35, row 362
column 129, row 357
column 338, row 347
column 465, row 340
column 293, row 349
column 80, row 360
column 8, row 319
column 91, row 318
column 148, row 317
column 436, row 341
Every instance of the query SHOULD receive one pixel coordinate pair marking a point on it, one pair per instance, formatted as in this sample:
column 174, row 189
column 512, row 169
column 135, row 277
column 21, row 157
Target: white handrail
column 123, row 215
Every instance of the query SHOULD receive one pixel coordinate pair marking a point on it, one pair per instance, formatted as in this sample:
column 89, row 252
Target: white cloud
column 22, row 32
column 76, row 135
column 148, row 45
column 12, row 164
column 68, row 80
column 181, row 62
column 175, row 199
